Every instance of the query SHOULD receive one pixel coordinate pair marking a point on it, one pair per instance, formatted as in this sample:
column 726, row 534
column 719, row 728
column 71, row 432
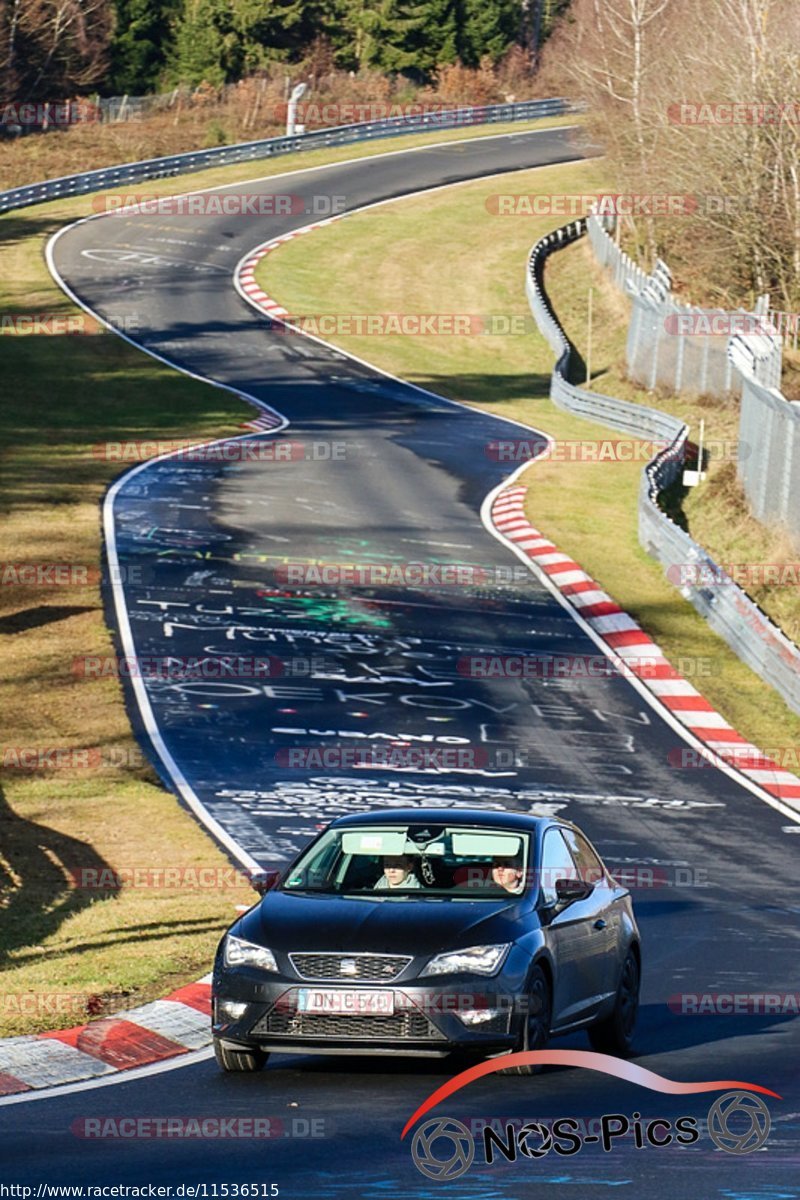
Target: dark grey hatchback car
column 428, row 931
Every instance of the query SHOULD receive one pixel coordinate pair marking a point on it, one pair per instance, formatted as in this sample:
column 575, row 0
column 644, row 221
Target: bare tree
column 52, row 49
column 616, row 61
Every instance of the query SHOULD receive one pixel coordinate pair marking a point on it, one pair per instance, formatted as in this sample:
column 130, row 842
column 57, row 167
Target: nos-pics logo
column 444, row 1149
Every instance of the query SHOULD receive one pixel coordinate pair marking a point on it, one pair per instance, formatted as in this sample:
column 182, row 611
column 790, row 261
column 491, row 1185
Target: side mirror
column 264, row 881
column 568, row 890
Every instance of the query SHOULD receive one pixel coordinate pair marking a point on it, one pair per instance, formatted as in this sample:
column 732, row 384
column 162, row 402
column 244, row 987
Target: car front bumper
column 428, row 1017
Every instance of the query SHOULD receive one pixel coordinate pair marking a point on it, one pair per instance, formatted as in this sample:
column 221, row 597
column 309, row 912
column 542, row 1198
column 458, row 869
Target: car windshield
column 412, row 861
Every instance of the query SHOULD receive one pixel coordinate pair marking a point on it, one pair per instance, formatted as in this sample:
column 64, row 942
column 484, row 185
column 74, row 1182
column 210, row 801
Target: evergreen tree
column 143, row 33
column 221, row 40
column 439, row 43
column 378, row 34
column 487, row 27
column 198, row 51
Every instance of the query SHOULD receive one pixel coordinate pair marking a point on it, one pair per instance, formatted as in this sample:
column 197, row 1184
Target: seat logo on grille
column 348, row 966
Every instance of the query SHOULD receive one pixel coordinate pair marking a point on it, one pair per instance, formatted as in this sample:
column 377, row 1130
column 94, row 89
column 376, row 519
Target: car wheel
column 536, row 1027
column 615, row 1034
column 230, row 1059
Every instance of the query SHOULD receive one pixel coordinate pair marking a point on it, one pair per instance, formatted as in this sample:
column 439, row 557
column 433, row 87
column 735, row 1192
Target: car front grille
column 372, row 968
column 402, row 1027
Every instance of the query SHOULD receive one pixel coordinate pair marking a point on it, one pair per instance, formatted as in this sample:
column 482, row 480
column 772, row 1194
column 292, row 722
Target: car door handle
column 600, row 923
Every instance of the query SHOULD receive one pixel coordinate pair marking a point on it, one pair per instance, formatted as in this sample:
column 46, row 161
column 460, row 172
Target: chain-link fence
column 743, row 356
column 680, row 346
column 769, row 426
column 787, row 326
column 728, row 610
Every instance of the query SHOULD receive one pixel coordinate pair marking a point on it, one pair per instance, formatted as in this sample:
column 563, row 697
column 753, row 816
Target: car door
column 579, row 947
column 604, row 911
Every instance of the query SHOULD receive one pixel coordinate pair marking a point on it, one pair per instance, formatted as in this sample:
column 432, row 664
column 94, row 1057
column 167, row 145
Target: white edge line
column 182, row 785
column 485, row 515
column 654, row 701
column 148, row 717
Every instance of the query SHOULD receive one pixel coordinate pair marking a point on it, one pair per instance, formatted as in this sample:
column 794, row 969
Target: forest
column 51, row 49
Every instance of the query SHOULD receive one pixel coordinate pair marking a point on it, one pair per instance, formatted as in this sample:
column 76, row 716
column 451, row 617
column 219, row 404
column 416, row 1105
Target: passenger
column 507, row 874
column 397, row 873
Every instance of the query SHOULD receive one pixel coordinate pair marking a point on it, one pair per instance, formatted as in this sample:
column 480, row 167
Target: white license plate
column 343, row 1002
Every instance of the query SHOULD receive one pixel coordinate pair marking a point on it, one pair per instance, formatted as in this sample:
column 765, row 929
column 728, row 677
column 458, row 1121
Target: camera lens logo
column 455, row 1151
column 532, row 1134
column 735, row 1109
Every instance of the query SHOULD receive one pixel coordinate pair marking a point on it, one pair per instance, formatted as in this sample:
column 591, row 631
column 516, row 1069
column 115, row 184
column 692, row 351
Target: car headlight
column 476, row 960
column 239, row 953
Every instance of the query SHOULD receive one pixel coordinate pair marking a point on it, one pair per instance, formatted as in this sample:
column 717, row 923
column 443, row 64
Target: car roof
column 490, row 818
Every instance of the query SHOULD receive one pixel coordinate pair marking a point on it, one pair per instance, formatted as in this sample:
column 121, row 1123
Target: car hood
column 294, row 922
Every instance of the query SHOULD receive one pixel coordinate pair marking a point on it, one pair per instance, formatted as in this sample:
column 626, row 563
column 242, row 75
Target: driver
column 397, row 873
column 507, row 873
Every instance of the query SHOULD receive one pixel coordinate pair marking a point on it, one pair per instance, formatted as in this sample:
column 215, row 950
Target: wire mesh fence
column 729, row 611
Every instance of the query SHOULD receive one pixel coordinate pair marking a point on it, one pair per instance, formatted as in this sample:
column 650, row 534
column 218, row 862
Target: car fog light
column 232, row 1009
column 479, row 1016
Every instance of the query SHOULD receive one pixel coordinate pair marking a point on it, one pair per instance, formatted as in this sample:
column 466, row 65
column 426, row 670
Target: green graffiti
column 334, row 610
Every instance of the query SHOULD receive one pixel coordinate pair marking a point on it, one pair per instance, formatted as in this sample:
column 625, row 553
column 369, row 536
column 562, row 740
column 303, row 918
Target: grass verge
column 588, row 508
column 70, row 952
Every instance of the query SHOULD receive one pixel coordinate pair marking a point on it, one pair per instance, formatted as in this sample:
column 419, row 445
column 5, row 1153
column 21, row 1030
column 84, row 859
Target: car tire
column 536, row 1026
column 615, row 1034
column 239, row 1060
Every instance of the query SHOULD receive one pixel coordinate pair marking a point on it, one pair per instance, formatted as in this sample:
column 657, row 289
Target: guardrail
column 222, row 156
column 729, row 611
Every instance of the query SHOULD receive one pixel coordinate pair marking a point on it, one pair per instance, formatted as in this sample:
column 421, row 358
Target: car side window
column 556, row 864
column 590, row 869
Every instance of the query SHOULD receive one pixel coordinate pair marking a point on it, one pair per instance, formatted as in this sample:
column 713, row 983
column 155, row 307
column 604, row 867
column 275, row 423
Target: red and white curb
column 265, row 423
column 639, row 656
column 161, row 1030
column 609, row 624
column 246, row 271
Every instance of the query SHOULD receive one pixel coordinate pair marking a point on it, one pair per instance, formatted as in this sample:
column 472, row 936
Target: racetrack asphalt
column 211, row 544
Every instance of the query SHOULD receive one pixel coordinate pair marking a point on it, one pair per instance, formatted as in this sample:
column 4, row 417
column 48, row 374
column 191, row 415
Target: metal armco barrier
column 729, row 611
column 223, row 156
